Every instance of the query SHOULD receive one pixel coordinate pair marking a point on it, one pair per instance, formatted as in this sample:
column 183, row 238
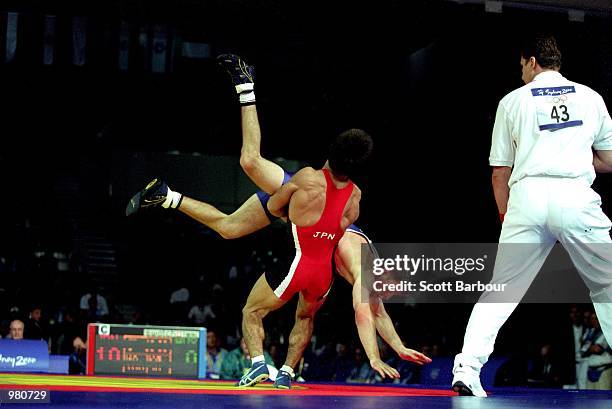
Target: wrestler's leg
column 249, row 217
column 302, row 329
column 267, row 175
column 261, row 301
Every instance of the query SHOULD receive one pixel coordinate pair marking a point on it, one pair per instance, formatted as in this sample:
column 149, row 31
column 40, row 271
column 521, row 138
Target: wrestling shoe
column 283, row 380
column 242, row 75
column 466, row 381
column 155, row 194
column 257, row 373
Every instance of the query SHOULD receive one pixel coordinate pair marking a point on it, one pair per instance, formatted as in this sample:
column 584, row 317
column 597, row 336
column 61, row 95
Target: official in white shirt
column 542, row 154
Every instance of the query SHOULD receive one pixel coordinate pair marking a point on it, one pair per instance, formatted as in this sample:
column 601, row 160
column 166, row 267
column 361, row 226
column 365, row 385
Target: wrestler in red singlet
column 313, row 247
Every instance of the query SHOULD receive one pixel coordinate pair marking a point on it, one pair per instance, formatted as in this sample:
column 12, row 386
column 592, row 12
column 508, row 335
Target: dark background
column 423, row 77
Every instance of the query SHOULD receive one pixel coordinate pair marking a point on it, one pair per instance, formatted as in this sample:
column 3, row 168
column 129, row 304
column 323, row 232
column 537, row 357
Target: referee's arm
column 602, row 144
column 501, row 190
column 602, row 161
column 501, row 159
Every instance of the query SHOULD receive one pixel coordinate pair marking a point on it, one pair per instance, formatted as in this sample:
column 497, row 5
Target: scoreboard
column 143, row 350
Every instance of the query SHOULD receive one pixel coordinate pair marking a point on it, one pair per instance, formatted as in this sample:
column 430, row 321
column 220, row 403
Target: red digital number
column 114, row 351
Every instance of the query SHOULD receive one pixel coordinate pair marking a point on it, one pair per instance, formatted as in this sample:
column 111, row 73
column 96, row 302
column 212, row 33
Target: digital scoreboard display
column 137, row 350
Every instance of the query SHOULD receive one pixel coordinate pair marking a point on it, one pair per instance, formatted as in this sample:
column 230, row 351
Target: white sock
column 173, row 199
column 247, row 97
column 288, row 369
column 258, row 358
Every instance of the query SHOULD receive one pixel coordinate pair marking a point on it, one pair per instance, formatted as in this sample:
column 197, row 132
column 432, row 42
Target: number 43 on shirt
column 556, row 108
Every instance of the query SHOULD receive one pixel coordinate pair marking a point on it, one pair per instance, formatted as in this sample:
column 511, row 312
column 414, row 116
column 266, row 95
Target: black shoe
column 462, row 389
column 154, row 195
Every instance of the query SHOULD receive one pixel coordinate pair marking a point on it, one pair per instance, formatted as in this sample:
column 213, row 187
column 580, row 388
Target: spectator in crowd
column 599, row 357
column 16, row 330
column 216, row 311
column 214, row 354
column 137, row 317
column 198, row 312
column 306, row 368
column 179, row 307
column 94, row 305
column 435, row 350
column 71, row 341
column 579, row 366
column 361, row 370
column 410, row 372
column 216, row 308
column 14, row 313
column 238, row 361
column 35, row 327
column 70, row 329
column 78, row 357
column 274, row 352
column 543, row 369
column 342, row 364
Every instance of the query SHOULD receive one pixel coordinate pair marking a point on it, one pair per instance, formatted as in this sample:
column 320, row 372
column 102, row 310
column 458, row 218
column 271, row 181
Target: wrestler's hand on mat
column 383, row 369
column 242, row 74
column 408, row 354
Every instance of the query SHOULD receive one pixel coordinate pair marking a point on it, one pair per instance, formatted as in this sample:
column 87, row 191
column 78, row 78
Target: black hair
column 543, row 47
column 349, row 152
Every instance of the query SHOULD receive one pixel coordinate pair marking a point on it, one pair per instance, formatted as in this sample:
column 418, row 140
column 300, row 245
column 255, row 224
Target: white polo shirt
column 548, row 128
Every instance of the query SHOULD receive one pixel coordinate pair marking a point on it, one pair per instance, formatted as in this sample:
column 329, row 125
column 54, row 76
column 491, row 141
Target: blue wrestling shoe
column 155, row 194
column 283, row 380
column 257, row 373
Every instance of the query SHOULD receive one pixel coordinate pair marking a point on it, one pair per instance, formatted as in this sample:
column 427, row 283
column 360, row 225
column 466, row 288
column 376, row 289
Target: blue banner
column 552, row 91
column 23, row 355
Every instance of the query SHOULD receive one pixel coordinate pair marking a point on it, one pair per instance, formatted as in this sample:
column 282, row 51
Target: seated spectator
column 599, row 357
column 70, row 329
column 35, row 326
column 78, row 358
column 237, row 362
column 16, row 330
column 342, row 364
column 410, row 373
column 214, row 354
column 72, row 342
column 435, row 351
column 361, row 370
column 582, row 364
column 543, row 369
column 307, row 369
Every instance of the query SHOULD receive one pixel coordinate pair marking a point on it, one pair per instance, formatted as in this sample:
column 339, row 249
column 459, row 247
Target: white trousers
column 542, row 210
